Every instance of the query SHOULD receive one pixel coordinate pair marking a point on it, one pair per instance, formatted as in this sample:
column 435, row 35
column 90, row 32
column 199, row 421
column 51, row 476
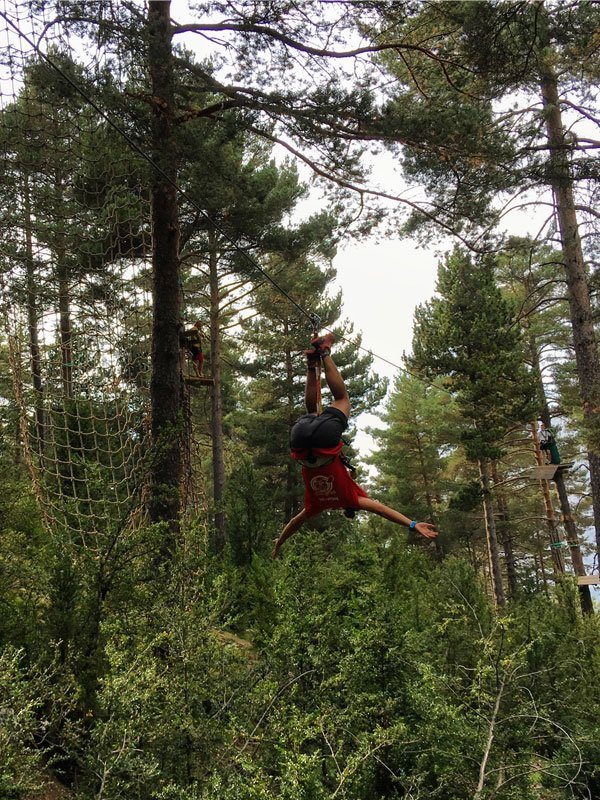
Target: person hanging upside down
column 192, row 340
column 316, row 442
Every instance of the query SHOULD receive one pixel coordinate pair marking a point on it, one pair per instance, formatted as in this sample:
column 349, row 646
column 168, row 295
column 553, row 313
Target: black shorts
column 323, row 430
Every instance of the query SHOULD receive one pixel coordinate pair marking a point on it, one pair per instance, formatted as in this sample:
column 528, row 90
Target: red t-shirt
column 328, row 486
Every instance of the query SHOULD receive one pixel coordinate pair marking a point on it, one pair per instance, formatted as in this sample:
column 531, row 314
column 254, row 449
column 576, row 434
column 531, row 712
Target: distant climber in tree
column 548, row 445
column 316, row 442
column 191, row 339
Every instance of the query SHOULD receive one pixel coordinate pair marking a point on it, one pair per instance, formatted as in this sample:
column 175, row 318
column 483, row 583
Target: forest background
column 150, row 646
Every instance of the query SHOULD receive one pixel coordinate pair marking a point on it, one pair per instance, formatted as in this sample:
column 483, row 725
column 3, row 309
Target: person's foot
column 322, row 344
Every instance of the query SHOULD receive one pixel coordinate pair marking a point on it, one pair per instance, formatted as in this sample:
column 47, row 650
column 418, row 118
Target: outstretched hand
column 426, row 529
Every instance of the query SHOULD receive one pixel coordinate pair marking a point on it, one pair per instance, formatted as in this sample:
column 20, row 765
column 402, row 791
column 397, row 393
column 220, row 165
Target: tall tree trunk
column 166, row 386
column 218, row 462
column 558, row 560
column 64, row 296
column 585, row 595
column 584, row 335
column 472, row 555
column 490, row 531
column 32, row 324
column 66, row 347
column 542, row 570
column 505, row 535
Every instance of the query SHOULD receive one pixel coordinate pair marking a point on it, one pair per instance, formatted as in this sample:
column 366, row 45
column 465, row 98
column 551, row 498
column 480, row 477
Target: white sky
column 381, row 284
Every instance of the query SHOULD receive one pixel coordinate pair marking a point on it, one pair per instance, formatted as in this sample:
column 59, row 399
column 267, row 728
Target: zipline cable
column 244, row 252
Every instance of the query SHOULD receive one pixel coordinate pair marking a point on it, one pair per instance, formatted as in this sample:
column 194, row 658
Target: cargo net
column 74, row 281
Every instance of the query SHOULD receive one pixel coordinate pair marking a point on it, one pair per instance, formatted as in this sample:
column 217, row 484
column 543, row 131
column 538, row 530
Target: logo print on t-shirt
column 322, row 486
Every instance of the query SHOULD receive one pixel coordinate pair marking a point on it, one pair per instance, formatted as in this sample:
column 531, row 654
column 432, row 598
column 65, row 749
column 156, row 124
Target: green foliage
column 357, row 666
column 21, row 553
column 34, row 713
column 249, row 512
column 466, row 497
column 358, row 670
column 470, row 116
column 420, row 421
column 468, row 335
column 21, row 765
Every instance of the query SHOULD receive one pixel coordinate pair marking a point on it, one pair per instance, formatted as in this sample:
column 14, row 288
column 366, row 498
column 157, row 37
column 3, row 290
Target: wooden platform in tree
column 197, row 380
column 588, row 580
column 548, row 471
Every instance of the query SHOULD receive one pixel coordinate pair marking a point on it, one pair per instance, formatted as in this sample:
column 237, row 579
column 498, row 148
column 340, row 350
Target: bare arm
column 289, row 530
column 310, row 392
column 424, row 528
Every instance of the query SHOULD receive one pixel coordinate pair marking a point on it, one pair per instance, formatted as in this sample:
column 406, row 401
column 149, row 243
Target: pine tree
column 467, row 335
column 235, row 180
column 415, row 448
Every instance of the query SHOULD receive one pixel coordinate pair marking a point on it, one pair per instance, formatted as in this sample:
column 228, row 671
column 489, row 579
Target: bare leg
column 289, row 530
column 310, row 392
column 197, row 361
column 336, row 385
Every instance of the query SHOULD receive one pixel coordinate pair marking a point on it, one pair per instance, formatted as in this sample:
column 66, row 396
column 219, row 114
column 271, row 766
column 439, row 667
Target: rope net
column 75, row 279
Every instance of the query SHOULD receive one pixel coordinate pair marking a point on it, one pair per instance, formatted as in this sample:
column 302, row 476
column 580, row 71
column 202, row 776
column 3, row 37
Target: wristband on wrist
column 413, row 525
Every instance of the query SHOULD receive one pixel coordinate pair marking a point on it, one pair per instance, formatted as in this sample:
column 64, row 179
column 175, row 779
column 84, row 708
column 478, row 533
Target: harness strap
column 322, row 461
column 346, row 462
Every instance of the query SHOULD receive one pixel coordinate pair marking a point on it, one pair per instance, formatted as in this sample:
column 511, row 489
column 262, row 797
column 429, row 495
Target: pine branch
column 288, row 41
column 363, row 190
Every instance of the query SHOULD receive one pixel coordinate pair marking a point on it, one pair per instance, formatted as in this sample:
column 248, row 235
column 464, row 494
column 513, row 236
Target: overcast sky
column 381, row 284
